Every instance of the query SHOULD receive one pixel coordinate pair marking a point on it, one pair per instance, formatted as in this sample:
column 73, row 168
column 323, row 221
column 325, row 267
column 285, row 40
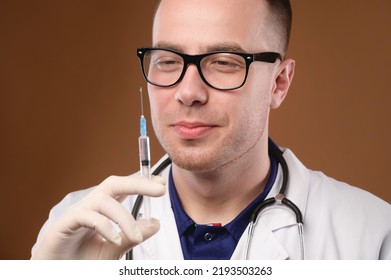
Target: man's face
column 202, row 128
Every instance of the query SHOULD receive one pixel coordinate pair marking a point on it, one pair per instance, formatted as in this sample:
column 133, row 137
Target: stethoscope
column 279, row 199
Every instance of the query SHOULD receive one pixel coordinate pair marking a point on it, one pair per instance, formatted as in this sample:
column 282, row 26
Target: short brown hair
column 281, row 12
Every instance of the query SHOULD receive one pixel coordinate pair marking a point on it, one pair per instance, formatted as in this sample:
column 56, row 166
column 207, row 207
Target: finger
column 118, row 186
column 91, row 220
column 147, row 229
column 159, row 179
column 114, row 211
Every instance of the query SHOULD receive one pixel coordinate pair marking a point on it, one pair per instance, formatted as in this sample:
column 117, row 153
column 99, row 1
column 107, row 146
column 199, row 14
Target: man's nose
column 192, row 90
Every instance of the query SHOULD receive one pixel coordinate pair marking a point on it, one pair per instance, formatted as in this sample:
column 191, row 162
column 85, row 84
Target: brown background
column 69, row 83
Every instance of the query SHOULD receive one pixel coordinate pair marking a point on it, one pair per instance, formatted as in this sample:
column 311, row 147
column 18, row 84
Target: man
column 216, row 69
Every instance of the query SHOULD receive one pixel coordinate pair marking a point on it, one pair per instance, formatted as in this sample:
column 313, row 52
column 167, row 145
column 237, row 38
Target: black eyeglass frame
column 268, row 57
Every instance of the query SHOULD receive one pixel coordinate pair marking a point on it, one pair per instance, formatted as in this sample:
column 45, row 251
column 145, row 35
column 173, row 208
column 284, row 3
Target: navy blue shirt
column 214, row 241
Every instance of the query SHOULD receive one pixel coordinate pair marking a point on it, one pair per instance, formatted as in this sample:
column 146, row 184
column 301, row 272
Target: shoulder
column 339, row 194
column 335, row 201
column 336, row 193
column 341, row 221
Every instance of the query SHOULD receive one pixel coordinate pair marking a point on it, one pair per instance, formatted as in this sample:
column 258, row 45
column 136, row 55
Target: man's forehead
column 211, row 25
column 218, row 10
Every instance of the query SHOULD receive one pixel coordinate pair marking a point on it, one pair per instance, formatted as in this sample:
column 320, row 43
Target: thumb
column 146, row 228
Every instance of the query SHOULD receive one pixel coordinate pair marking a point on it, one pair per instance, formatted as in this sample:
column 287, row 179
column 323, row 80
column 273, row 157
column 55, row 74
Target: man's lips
column 192, row 130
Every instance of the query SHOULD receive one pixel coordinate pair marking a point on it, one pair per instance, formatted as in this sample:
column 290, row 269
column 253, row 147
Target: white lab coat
column 340, row 221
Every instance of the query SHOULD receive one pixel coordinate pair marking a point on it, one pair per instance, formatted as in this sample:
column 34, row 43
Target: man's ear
column 282, row 82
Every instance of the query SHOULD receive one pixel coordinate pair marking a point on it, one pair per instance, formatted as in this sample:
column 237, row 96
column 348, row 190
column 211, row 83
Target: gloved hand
column 85, row 231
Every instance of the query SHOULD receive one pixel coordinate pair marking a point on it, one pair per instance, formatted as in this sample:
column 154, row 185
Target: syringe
column 145, row 158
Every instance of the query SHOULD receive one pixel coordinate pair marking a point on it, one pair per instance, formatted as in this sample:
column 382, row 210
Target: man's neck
column 220, row 195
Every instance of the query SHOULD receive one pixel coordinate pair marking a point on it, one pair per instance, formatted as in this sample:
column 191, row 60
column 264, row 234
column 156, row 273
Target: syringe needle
column 141, row 99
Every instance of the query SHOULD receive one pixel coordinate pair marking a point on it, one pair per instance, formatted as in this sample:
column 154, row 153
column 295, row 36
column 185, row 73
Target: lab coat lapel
column 264, row 246
column 272, row 238
column 279, row 216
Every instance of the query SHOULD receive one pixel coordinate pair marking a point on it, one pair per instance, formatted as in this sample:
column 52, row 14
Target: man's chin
column 197, row 164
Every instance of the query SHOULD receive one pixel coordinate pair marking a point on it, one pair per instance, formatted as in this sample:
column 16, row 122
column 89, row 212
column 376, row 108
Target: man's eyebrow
column 227, row 46
column 169, row 46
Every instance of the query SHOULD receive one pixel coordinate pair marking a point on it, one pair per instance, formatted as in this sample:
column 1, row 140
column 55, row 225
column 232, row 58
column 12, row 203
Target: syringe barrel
column 145, row 170
column 145, row 156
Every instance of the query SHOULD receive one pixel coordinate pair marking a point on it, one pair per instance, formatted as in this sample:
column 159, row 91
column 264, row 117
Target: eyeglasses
column 220, row 70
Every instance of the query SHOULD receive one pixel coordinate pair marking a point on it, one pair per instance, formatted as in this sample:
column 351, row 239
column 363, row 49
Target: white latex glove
column 85, row 230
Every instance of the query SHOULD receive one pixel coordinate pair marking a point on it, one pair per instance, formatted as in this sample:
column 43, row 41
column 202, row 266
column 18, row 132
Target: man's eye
column 225, row 64
column 168, row 64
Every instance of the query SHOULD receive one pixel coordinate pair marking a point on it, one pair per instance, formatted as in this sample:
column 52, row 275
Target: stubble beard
column 206, row 159
column 198, row 159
